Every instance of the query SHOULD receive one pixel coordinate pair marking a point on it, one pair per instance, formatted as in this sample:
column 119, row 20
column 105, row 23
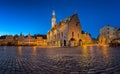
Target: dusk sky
column 34, row 16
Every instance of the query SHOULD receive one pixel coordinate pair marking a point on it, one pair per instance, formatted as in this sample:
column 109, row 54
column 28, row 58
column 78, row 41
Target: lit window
column 72, row 34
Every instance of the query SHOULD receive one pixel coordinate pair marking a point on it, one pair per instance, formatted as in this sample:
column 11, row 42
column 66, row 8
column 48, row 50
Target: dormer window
column 77, row 23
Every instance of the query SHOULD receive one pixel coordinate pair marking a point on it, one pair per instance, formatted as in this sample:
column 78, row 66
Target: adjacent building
column 3, row 40
column 86, row 38
column 29, row 40
column 118, row 33
column 116, row 41
column 40, row 40
column 9, row 38
column 107, row 34
column 21, row 39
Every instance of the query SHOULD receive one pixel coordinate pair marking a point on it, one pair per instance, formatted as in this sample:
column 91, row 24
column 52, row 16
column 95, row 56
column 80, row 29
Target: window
column 62, row 34
column 55, row 36
column 72, row 34
column 58, row 35
column 77, row 23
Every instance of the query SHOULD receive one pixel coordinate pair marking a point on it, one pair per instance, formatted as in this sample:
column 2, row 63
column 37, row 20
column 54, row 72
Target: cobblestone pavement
column 77, row 60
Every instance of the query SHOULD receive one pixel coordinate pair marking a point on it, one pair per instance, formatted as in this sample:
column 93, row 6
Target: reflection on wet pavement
column 77, row 60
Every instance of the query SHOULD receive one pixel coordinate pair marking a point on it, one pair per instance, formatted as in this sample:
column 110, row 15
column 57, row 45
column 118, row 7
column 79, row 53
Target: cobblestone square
column 74, row 60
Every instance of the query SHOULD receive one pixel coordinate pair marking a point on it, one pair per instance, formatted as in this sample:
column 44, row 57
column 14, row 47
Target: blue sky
column 34, row 16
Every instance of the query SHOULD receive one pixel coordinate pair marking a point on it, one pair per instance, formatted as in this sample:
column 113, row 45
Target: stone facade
column 107, row 34
column 118, row 33
column 29, row 40
column 9, row 38
column 86, row 38
column 66, row 33
column 21, row 39
column 39, row 40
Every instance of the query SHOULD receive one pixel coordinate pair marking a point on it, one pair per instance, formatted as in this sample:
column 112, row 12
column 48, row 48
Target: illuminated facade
column 107, row 34
column 9, row 38
column 66, row 33
column 118, row 33
column 29, row 40
column 39, row 40
column 86, row 38
column 3, row 40
column 21, row 39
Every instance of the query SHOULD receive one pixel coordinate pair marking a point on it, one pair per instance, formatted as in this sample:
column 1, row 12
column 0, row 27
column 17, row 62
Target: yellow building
column 86, row 38
column 3, row 40
column 41, row 40
column 21, row 39
column 29, row 40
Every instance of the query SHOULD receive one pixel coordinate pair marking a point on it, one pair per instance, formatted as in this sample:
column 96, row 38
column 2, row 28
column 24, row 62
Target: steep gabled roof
column 66, row 21
column 3, row 37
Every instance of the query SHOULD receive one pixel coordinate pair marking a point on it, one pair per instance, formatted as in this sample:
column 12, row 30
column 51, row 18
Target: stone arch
column 64, row 42
column 80, row 42
column 72, row 42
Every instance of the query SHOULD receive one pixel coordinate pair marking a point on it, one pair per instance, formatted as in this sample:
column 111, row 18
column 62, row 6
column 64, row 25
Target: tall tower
column 53, row 19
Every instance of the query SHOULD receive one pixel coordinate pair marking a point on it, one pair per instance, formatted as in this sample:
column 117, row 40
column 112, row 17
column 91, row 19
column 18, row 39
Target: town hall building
column 67, row 32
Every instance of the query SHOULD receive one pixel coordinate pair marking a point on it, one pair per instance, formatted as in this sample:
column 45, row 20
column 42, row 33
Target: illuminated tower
column 53, row 19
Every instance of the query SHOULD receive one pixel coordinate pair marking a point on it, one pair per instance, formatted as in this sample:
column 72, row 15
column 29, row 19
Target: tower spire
column 53, row 19
column 53, row 13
